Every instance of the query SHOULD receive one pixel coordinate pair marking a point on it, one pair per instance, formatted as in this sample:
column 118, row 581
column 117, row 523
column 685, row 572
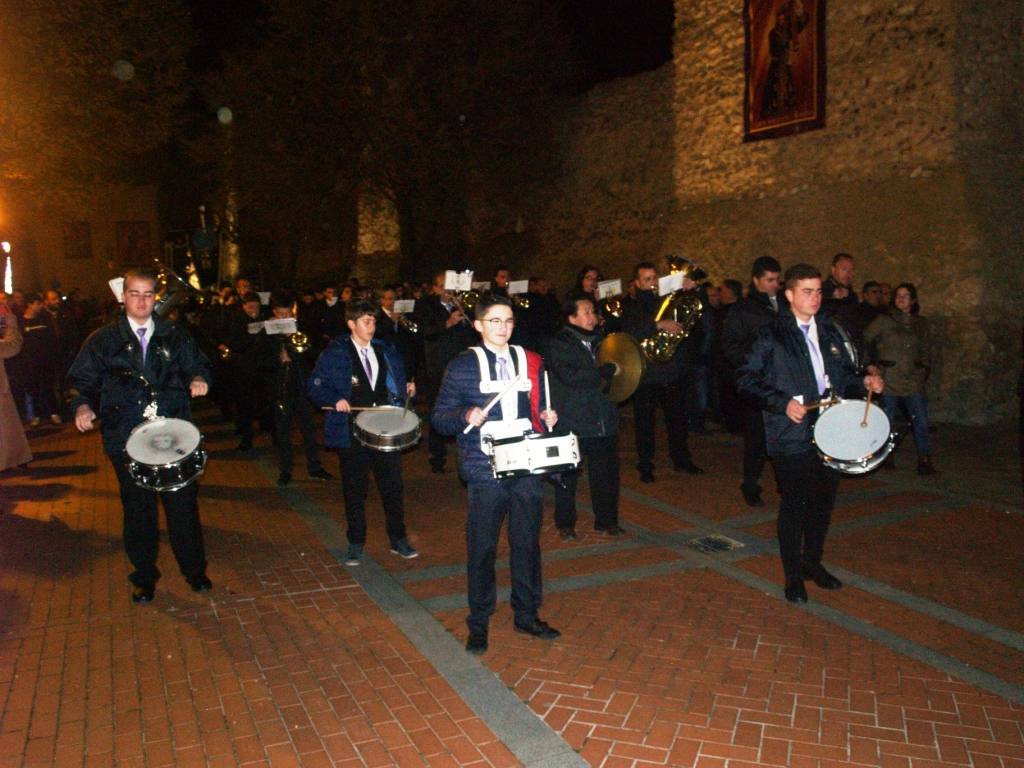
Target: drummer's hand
column 874, row 383
column 476, row 416
column 795, row 411
column 342, row 406
column 198, row 387
column 84, row 418
column 549, row 417
column 410, row 388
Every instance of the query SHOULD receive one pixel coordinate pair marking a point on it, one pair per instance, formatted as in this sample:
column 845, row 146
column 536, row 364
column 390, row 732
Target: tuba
column 685, row 308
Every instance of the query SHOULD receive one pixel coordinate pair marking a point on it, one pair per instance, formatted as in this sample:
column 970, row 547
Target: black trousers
column 521, row 500
column 142, row 527
column 252, row 399
column 670, row 398
column 808, row 490
column 296, row 407
column 356, row 463
column 754, row 448
column 602, row 457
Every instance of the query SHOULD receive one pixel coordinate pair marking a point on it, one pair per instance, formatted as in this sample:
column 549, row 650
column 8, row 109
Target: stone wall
column 917, row 173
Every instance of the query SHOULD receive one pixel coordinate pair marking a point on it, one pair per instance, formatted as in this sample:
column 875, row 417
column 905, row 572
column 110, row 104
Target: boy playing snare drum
column 359, row 371
column 510, row 376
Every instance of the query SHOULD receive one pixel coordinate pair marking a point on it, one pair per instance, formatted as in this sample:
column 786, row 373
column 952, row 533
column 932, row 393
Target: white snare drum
column 848, row 444
column 387, row 429
column 534, row 454
column 166, row 454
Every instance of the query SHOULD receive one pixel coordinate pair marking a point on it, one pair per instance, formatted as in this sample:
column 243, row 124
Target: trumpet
column 520, row 301
column 408, row 324
column 612, row 306
column 225, row 354
column 298, row 343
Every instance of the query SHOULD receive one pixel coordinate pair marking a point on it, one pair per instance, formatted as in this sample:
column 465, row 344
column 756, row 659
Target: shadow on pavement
column 42, row 492
column 49, row 548
column 50, row 455
column 45, row 473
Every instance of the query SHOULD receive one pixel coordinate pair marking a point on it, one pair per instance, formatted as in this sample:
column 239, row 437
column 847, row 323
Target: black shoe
column 610, row 530
column 795, row 591
column 646, row 476
column 321, row 474
column 752, row 497
column 201, row 584
column 476, row 643
column 821, row 577
column 438, row 469
column 538, row 628
column 245, row 445
column 567, row 534
column 689, row 468
column 143, row 593
column 284, row 478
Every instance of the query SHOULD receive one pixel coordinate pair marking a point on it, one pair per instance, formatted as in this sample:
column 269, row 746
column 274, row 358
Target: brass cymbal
column 623, row 350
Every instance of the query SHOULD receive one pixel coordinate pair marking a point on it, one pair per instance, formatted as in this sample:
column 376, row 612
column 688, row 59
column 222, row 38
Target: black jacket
column 576, row 385
column 441, row 344
column 779, row 368
column 106, row 376
column 743, row 323
column 638, row 313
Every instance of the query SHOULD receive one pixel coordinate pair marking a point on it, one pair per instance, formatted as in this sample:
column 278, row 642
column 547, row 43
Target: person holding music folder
column 797, row 361
column 507, row 378
column 578, row 384
column 286, row 359
column 120, row 366
column 357, row 371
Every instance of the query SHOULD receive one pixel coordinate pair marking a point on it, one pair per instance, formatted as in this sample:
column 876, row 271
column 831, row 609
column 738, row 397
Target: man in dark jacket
column 471, row 380
column 119, row 367
column 794, row 363
column 358, row 371
column 577, row 383
column 662, row 383
column 742, row 326
column 840, row 301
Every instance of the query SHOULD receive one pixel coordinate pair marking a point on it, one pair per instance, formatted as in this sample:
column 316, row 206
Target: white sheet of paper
column 516, row 287
column 608, row 288
column 117, row 287
column 670, row 283
column 281, row 325
column 256, row 327
column 458, row 281
column 264, row 297
column 405, row 306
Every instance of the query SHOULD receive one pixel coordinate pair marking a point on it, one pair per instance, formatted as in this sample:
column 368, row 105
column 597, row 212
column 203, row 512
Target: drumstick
column 547, row 393
column 492, row 401
column 358, row 408
column 820, row 404
column 867, row 408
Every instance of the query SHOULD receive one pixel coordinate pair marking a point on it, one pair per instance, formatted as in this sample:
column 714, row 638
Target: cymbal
column 623, row 350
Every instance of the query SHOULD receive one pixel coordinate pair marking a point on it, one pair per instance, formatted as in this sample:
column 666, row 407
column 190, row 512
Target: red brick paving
column 289, row 663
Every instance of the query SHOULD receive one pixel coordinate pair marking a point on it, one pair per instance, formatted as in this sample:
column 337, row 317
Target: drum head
column 838, row 432
column 390, row 421
column 162, row 441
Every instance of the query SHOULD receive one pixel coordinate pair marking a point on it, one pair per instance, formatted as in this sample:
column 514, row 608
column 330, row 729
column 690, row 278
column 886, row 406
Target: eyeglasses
column 497, row 322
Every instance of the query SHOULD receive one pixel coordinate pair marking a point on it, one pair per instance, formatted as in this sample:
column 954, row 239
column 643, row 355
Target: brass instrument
column 686, row 308
column 225, row 354
column 465, row 302
column 408, row 324
column 298, row 343
column 171, row 290
column 520, row 301
column 612, row 306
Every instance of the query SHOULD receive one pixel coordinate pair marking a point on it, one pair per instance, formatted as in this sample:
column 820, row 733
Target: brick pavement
column 290, row 662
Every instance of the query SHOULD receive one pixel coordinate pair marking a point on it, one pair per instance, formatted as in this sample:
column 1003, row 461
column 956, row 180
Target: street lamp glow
column 8, row 276
column 5, row 246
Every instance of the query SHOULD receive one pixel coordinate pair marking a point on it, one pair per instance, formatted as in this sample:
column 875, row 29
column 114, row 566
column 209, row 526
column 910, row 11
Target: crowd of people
column 483, row 364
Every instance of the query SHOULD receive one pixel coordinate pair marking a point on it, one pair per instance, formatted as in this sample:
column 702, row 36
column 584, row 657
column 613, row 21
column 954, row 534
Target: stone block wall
column 918, row 173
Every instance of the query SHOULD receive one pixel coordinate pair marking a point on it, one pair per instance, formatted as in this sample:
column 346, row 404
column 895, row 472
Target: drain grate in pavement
column 712, row 544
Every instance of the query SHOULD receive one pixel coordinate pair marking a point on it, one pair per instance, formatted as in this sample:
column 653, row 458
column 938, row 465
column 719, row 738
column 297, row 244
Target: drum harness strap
column 499, row 430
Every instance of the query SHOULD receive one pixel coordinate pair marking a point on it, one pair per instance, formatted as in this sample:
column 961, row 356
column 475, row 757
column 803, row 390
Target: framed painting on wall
column 77, row 240
column 784, row 64
column 133, row 242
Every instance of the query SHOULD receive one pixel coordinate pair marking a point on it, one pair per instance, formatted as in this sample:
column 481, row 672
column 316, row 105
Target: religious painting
column 785, row 67
column 77, row 240
column 133, row 242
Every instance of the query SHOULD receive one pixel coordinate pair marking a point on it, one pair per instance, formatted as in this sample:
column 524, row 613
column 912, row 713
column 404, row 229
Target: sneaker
column 354, row 556
column 321, row 474
column 55, row 419
column 403, row 548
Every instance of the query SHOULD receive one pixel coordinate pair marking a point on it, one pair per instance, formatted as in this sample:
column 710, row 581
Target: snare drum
column 534, row 454
column 848, row 444
column 166, row 454
column 387, row 429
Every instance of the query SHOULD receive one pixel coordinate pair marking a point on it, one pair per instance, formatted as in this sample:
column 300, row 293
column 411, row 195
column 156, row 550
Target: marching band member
column 250, row 383
column 288, row 366
column 578, row 382
column 358, row 371
column 471, row 380
column 662, row 383
column 794, row 361
column 105, row 377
